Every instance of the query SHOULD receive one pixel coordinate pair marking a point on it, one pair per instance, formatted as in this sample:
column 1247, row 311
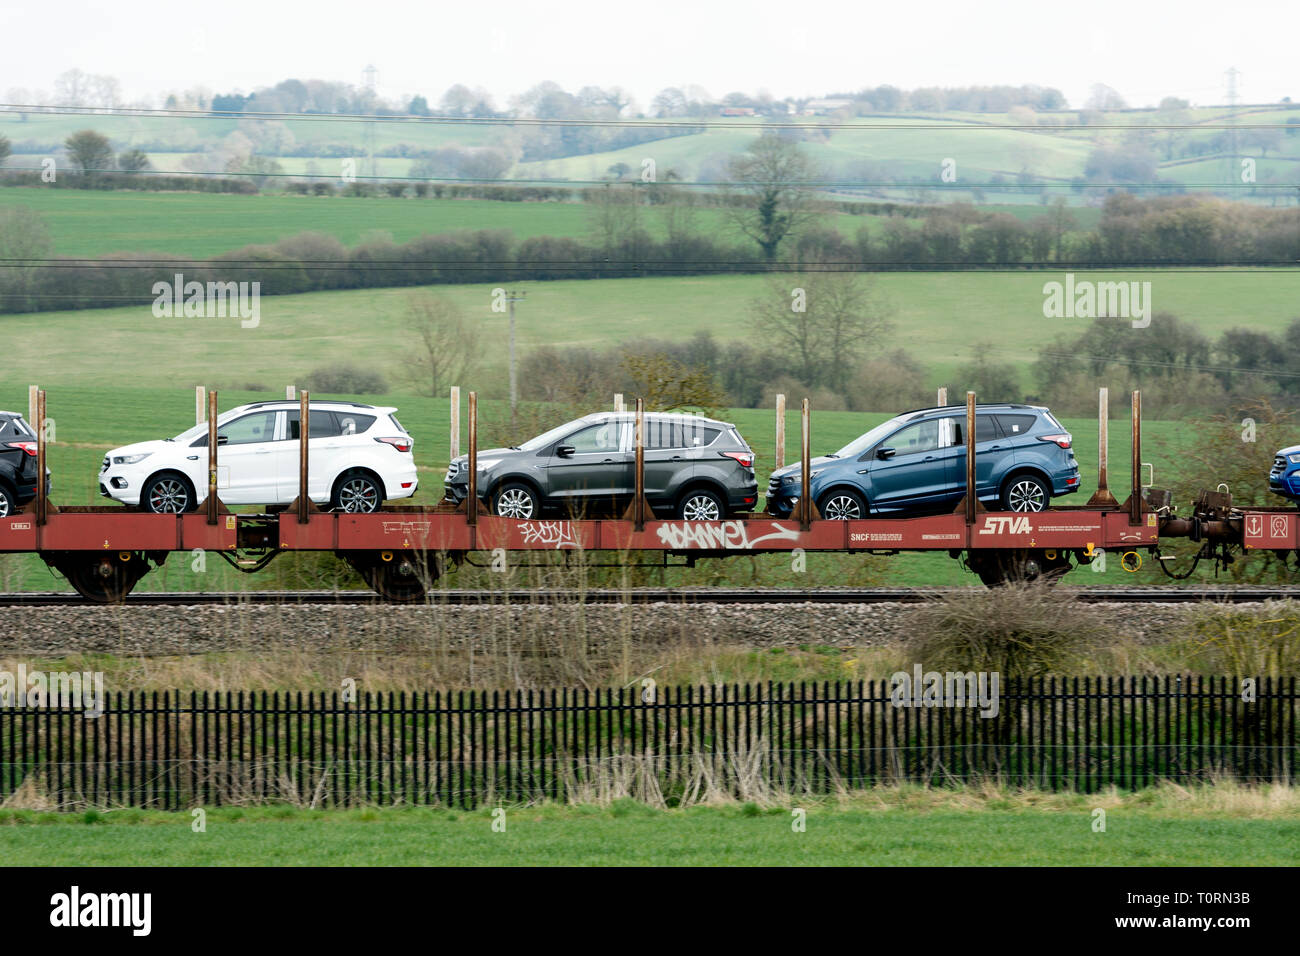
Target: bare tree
column 827, row 319
column 772, row 179
column 445, row 348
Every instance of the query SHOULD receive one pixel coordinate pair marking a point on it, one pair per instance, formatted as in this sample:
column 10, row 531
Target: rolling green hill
column 938, row 318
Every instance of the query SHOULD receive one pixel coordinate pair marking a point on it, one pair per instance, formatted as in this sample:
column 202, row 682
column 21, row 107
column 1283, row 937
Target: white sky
column 809, row 47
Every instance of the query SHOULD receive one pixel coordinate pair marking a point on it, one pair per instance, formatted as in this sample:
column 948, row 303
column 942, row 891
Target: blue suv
column 916, row 462
column 1284, row 479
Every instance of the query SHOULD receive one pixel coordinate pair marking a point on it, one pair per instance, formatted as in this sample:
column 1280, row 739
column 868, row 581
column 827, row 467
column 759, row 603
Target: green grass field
column 862, row 832
column 937, row 317
column 95, row 223
column 908, row 149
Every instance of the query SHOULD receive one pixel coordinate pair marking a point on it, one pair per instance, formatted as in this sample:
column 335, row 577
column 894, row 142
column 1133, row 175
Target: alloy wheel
column 841, row 508
column 168, row 496
column 1026, row 495
column 515, row 503
column 358, row 496
column 701, row 508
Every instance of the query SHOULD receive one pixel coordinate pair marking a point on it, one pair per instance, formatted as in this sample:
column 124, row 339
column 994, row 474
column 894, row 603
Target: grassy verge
column 1167, row 826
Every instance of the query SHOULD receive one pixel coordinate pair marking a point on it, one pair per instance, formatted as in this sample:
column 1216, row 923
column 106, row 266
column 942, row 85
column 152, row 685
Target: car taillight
column 403, row 443
column 1062, row 440
column 27, row 446
column 746, row 458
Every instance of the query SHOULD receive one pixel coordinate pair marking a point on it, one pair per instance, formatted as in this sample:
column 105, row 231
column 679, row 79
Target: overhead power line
column 713, row 183
column 692, row 124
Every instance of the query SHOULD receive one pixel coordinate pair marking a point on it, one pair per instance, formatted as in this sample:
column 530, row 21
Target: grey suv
column 695, row 468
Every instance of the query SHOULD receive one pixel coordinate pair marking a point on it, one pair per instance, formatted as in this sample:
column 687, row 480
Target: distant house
column 824, row 107
column 736, row 111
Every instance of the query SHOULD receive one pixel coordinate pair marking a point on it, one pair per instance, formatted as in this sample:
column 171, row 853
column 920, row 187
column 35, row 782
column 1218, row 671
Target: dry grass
column 1026, row 630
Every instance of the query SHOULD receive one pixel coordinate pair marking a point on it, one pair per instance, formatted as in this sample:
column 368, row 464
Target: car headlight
column 130, row 459
column 789, row 480
column 1294, row 459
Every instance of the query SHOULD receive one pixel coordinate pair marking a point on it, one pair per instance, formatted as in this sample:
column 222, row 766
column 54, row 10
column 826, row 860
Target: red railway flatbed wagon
column 400, row 551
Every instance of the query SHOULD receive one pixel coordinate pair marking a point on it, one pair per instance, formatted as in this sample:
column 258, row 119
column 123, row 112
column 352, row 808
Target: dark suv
column 695, row 468
column 17, row 463
column 917, row 462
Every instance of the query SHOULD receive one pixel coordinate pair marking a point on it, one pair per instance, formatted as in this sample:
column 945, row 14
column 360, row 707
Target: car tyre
column 842, row 504
column 1026, row 493
column 516, row 500
column 357, row 492
column 8, row 503
column 167, row 494
column 701, row 504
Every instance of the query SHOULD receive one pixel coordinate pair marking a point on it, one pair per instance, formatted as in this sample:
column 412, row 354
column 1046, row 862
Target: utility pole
column 1231, row 76
column 512, row 297
column 369, row 73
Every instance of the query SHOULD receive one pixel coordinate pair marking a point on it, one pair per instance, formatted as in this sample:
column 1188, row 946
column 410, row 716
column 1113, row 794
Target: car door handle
column 193, row 457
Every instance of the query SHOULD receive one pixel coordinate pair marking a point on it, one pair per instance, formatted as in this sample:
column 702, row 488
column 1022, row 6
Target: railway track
column 1159, row 595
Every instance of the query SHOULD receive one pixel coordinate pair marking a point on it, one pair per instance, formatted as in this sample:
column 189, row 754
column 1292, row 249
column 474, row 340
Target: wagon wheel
column 1019, row 566
column 104, row 578
column 403, row 578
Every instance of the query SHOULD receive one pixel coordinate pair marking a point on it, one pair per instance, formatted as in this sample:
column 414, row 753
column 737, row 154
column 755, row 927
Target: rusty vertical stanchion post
column 971, row 496
column 805, row 469
column 638, row 503
column 41, row 502
column 1102, row 497
column 1135, row 501
column 471, row 496
column 453, row 444
column 780, row 432
column 304, row 433
column 212, row 457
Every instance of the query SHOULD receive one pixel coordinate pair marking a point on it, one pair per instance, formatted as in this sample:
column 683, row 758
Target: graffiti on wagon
column 557, row 534
column 720, row 535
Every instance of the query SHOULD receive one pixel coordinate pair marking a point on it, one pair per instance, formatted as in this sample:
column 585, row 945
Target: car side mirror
column 564, row 451
column 885, row 453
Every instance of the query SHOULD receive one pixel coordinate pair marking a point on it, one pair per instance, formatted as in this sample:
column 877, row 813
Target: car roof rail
column 294, row 403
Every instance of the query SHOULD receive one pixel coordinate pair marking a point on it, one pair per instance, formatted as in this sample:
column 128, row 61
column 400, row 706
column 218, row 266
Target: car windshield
column 863, row 442
column 546, row 438
column 201, row 428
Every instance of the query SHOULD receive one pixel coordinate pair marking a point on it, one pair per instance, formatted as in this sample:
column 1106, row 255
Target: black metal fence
column 172, row 750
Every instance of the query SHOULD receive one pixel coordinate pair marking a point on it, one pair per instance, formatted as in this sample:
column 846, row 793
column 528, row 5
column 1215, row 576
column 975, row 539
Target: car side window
column 249, row 429
column 1014, row 425
column 323, row 424
column 594, row 438
column 986, row 429
column 664, row 434
column 914, row 439
column 353, row 424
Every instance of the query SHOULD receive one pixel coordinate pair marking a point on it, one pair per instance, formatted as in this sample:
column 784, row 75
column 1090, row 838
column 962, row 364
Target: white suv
column 359, row 455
